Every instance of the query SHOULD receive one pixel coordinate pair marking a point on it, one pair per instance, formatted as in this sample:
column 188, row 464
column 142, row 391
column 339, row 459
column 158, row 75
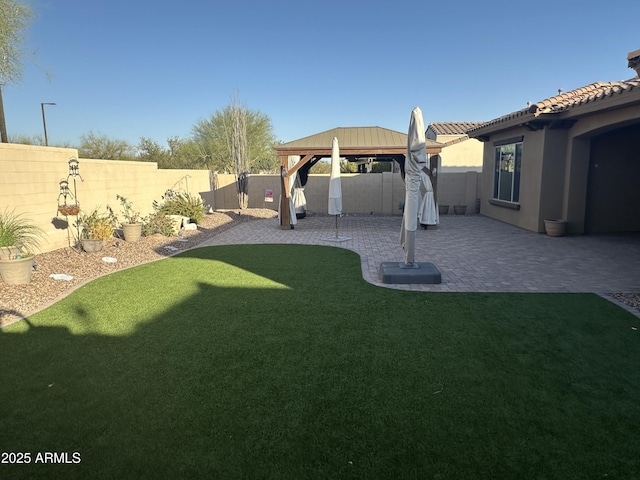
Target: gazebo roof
column 364, row 140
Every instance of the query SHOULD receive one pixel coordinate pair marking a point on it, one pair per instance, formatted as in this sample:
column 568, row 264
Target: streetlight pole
column 44, row 123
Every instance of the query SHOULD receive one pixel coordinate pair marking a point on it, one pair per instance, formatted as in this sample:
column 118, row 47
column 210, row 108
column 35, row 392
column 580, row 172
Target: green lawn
column 281, row 362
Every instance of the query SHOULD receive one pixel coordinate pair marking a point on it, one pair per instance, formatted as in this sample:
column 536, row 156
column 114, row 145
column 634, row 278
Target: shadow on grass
column 281, row 362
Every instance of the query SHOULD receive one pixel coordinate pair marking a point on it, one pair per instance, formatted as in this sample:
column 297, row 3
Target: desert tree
column 14, row 19
column 102, row 147
column 239, row 152
column 213, row 136
column 179, row 153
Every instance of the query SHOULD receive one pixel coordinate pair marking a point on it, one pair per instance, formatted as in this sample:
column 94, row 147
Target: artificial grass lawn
column 281, row 362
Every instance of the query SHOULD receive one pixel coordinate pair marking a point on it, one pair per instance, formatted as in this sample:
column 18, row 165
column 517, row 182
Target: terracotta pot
column 443, row 209
column 555, row 228
column 132, row 232
column 18, row 271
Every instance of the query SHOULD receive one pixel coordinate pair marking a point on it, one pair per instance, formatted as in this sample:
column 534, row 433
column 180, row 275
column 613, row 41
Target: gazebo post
column 285, row 214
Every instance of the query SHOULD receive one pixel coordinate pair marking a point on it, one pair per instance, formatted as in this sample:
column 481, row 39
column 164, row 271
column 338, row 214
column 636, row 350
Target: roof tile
column 453, row 128
column 568, row 100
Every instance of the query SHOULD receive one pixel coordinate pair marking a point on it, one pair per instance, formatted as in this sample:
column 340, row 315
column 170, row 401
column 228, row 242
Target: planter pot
column 91, row 246
column 460, row 209
column 132, row 232
column 9, row 253
column 443, row 209
column 67, row 210
column 555, row 228
column 178, row 222
column 17, row 272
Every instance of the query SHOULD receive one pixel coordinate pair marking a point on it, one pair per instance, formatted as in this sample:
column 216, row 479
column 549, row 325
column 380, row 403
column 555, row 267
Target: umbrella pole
column 336, row 226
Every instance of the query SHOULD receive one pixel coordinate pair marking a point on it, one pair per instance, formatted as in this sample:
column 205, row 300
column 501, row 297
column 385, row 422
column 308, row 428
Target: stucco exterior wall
column 462, row 156
column 559, row 178
column 530, row 180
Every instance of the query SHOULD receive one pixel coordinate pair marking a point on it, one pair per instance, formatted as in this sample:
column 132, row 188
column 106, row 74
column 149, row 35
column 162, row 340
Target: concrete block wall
column 30, row 176
column 377, row 193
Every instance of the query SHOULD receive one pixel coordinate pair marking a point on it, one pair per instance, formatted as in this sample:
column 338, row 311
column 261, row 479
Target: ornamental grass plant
column 16, row 231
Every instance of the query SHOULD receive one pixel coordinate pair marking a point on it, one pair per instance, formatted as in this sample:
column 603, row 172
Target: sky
column 128, row 69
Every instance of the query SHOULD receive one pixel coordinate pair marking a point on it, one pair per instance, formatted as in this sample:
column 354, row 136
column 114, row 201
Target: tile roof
column 568, row 100
column 579, row 96
column 453, row 128
column 353, row 137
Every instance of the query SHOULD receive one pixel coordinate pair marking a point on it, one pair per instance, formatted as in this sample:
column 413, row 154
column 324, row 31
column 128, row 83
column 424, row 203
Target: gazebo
column 356, row 143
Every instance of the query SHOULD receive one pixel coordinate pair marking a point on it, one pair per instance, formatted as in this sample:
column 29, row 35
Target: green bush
column 182, row 204
column 157, row 223
column 97, row 225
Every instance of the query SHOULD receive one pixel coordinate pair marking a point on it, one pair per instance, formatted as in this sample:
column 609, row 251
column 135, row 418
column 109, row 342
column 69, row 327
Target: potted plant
column 460, row 209
column 443, row 209
column 131, row 226
column 17, row 239
column 96, row 228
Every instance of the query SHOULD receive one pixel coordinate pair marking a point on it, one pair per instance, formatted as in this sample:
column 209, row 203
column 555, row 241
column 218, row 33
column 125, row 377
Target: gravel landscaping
column 18, row 301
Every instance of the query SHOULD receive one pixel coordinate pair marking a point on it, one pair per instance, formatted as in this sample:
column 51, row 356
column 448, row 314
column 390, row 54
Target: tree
column 14, row 20
column 105, row 148
column 214, row 138
column 179, row 154
column 151, row 151
column 239, row 152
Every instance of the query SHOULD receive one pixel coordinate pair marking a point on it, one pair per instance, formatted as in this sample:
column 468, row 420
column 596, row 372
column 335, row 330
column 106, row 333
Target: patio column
column 285, row 214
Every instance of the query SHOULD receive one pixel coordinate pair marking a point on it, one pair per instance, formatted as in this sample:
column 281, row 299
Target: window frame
column 498, row 195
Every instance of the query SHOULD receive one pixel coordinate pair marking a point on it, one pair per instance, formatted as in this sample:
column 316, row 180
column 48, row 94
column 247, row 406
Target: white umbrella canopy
column 335, row 189
column 415, row 160
column 335, row 185
column 428, row 212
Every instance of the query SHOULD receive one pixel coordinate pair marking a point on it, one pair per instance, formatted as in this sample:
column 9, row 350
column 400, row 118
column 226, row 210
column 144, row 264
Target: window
column 506, row 184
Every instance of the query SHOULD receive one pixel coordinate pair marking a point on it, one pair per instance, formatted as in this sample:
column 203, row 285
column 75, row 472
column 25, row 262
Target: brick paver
column 473, row 253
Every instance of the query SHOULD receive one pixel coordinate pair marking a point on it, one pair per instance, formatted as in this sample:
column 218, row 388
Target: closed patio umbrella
column 415, row 160
column 335, row 187
column 428, row 212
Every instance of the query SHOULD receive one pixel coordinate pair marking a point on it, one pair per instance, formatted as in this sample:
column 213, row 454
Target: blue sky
column 130, row 68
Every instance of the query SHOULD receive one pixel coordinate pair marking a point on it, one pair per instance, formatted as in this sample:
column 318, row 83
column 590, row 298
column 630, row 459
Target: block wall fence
column 30, row 176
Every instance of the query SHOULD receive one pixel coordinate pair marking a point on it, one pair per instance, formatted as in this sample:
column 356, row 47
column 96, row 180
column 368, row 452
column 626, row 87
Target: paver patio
column 474, row 253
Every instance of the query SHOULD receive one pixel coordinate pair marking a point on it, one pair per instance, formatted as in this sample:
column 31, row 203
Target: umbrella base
column 419, row 272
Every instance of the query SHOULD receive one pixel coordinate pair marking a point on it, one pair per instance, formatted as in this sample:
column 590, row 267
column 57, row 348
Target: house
column 574, row 156
column 459, row 152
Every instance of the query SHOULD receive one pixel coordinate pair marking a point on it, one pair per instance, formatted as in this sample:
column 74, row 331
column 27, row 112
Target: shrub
column 157, row 223
column 181, row 204
column 130, row 215
column 98, row 225
column 16, row 231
